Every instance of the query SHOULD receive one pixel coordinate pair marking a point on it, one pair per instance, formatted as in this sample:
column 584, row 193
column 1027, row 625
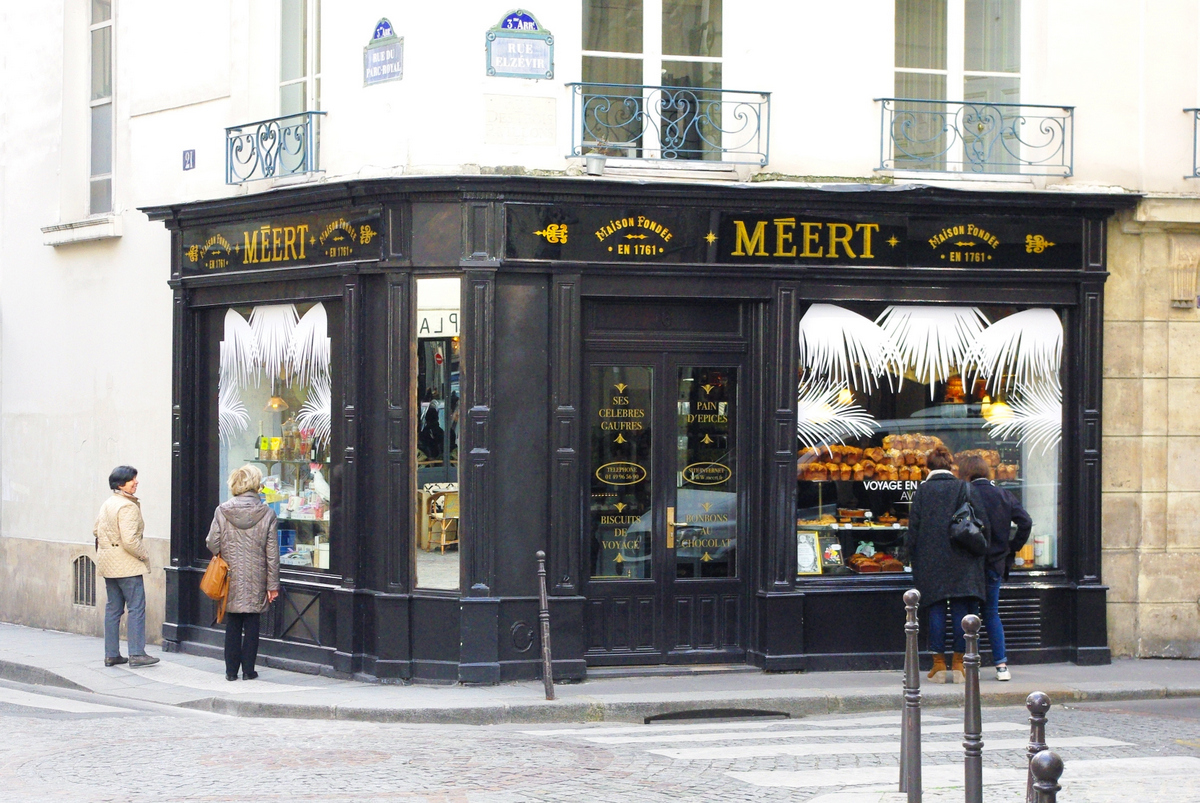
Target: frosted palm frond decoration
column 316, row 412
column 845, row 348
column 308, row 354
column 932, row 341
column 239, row 351
column 232, row 417
column 824, row 417
column 1034, row 417
column 272, row 325
column 1021, row 350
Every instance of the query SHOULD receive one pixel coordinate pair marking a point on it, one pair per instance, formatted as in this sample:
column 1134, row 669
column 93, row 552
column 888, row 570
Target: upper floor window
column 100, row 99
column 966, row 50
column 652, row 42
column 299, row 56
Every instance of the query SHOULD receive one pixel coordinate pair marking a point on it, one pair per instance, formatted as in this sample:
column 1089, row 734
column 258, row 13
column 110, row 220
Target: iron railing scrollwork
column 281, row 146
column 979, row 138
column 1195, row 113
column 670, row 123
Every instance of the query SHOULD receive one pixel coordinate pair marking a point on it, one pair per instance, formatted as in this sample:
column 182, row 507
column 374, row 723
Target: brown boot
column 938, row 673
column 956, row 668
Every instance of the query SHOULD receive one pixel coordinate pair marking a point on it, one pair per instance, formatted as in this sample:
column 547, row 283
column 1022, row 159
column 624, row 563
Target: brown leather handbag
column 215, row 584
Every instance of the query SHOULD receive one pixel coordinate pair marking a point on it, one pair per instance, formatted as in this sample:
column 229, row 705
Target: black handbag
column 967, row 531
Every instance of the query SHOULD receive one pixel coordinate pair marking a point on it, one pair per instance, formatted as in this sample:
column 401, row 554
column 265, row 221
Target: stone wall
column 37, row 578
column 1151, row 500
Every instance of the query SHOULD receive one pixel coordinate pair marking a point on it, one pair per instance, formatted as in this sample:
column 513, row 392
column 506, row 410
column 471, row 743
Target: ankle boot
column 938, row 672
column 956, row 667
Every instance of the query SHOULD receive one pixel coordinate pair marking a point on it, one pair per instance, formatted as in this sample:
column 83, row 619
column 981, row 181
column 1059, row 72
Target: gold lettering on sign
column 755, row 246
column 810, row 237
column 554, row 233
column 783, row 234
column 274, row 244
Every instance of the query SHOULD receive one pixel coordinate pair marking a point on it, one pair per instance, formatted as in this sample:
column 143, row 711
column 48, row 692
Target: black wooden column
column 179, row 583
column 479, row 662
column 780, row 537
column 565, row 354
column 348, row 654
column 1091, row 628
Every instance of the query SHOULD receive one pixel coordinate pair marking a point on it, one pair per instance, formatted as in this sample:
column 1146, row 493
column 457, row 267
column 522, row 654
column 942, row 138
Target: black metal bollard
column 1047, row 768
column 1038, row 704
column 972, row 717
column 910, row 719
column 544, row 618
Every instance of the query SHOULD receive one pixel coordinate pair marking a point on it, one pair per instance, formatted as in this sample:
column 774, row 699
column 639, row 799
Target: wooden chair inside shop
column 443, row 520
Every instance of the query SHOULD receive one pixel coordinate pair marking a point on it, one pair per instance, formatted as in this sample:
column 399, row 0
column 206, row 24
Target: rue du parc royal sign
column 383, row 57
column 519, row 47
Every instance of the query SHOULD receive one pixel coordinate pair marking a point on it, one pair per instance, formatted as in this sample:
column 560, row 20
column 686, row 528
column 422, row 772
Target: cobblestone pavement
column 68, row 746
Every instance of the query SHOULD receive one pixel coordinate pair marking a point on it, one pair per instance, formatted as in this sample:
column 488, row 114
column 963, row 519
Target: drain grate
column 715, row 714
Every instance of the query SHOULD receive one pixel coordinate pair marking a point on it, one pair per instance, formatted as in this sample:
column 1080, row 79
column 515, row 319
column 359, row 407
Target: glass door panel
column 621, row 515
column 703, row 530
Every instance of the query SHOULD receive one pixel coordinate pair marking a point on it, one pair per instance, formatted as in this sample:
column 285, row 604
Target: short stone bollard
column 972, row 715
column 1047, row 768
column 544, row 619
column 910, row 719
column 1038, row 704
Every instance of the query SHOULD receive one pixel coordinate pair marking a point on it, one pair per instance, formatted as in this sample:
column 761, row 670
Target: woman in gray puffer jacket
column 945, row 575
column 243, row 533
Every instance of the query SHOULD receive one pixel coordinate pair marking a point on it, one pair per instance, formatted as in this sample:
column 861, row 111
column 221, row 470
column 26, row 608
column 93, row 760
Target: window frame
column 956, row 72
column 95, row 103
column 311, row 76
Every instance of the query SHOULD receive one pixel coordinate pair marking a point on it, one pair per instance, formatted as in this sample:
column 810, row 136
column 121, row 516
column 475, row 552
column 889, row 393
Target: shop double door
column 666, row 507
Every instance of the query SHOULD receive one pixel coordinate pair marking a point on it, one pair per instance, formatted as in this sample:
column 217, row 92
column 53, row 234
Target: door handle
column 670, row 528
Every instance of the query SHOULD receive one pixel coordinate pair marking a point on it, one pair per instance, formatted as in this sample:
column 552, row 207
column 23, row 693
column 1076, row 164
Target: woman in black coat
column 945, row 575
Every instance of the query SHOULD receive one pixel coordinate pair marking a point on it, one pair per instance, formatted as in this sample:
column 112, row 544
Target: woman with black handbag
column 946, row 574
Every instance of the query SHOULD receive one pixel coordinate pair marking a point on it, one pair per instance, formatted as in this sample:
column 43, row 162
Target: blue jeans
column 959, row 607
column 991, row 617
column 125, row 593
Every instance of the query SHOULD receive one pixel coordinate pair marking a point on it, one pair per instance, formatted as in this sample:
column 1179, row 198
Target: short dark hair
column 121, row 475
column 973, row 467
column 939, row 457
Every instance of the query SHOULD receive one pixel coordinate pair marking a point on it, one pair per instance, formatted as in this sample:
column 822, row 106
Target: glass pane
column 863, row 446
column 292, row 98
column 597, row 70
column 438, row 394
column 316, row 39
column 612, row 115
column 101, row 11
column 100, row 196
column 275, row 413
column 101, row 144
column 921, row 34
column 691, row 28
column 620, row 513
column 919, row 129
column 991, row 89
column 993, row 35
column 614, row 25
column 706, row 474
column 102, row 63
column 293, row 40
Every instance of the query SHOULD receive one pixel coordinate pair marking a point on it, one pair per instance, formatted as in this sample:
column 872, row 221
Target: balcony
column 670, row 123
column 282, row 146
column 976, row 138
column 1195, row 113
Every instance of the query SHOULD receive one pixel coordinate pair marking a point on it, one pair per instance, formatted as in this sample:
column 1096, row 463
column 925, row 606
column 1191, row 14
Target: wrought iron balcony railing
column 670, row 123
column 283, row 146
column 1195, row 113
column 979, row 138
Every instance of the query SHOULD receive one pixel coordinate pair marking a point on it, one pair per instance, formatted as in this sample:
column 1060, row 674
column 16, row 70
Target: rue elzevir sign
column 791, row 237
column 310, row 239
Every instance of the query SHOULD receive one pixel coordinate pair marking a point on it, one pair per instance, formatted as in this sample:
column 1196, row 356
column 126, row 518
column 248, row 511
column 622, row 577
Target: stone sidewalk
column 29, row 655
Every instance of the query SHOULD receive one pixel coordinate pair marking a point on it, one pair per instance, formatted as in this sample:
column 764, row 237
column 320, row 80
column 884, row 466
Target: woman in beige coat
column 243, row 533
column 122, row 561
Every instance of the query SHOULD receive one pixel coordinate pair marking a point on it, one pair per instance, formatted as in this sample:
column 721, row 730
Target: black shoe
column 251, row 675
column 142, row 660
column 120, row 659
column 231, row 677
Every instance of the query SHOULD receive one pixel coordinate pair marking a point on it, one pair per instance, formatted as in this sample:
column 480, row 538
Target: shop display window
column 438, row 385
column 881, row 386
column 274, row 405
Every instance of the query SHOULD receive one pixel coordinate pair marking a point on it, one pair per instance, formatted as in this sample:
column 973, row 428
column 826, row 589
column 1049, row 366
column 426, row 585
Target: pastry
column 852, row 454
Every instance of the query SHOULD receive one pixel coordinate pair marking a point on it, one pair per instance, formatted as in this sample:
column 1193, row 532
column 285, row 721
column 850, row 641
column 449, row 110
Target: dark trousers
column 241, row 642
column 959, row 607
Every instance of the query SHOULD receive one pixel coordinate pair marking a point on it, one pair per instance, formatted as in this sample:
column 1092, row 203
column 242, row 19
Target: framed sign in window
column 808, row 552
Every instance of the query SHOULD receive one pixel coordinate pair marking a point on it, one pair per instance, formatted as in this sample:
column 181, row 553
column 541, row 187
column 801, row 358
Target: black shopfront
column 707, row 404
